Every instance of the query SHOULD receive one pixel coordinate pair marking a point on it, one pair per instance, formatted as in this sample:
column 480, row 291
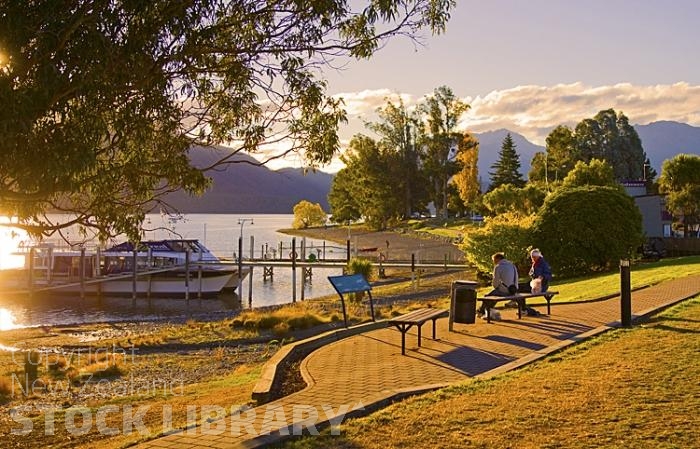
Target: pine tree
column 506, row 170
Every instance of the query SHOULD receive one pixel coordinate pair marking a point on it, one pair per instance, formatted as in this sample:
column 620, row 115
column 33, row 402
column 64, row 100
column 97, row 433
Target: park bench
column 351, row 283
column 416, row 318
column 518, row 297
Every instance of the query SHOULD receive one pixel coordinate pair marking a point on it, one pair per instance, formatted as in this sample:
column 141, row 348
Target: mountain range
column 244, row 187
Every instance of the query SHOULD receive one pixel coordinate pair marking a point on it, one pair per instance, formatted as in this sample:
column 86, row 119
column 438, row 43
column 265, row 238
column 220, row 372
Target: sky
column 530, row 65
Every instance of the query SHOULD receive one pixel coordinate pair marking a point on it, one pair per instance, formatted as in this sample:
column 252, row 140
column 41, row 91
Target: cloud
column 367, row 102
column 534, row 110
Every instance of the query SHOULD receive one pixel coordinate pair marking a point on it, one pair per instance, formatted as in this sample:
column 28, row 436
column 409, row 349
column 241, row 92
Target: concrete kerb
column 271, row 373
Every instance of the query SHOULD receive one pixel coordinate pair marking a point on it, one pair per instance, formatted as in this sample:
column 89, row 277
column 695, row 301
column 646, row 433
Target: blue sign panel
column 349, row 283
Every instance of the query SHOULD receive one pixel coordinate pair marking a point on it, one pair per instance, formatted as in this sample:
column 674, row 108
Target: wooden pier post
column 239, row 290
column 413, row 270
column 303, row 274
column 82, row 273
column 133, row 278
column 199, row 279
column 30, row 276
column 49, row 266
column 187, row 275
column 148, row 279
column 268, row 272
column 293, row 256
column 250, row 273
column 98, row 270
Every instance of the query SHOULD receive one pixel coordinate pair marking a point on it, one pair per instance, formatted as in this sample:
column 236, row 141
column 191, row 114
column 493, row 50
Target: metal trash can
column 463, row 302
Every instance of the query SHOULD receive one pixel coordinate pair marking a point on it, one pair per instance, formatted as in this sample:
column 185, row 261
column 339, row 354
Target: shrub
column 588, row 228
column 508, row 233
column 364, row 267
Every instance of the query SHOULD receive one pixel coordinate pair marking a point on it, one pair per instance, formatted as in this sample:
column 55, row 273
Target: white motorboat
column 165, row 268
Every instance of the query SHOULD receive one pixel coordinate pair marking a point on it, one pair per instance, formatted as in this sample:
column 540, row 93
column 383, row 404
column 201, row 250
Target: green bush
column 588, row 228
column 364, row 267
column 508, row 233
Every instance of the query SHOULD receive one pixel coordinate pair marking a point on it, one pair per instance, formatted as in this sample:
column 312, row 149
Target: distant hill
column 490, row 144
column 660, row 140
column 246, row 188
column 663, row 140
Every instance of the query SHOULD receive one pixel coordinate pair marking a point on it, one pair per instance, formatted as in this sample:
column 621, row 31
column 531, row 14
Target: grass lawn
column 629, row 388
column 648, row 273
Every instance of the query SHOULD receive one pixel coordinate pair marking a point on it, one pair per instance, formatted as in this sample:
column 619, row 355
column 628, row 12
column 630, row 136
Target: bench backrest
column 349, row 283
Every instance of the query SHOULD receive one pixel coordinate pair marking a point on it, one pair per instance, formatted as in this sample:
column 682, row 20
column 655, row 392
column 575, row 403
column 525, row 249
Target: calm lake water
column 220, row 233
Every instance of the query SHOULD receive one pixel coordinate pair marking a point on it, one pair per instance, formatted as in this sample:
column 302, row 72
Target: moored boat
column 165, row 268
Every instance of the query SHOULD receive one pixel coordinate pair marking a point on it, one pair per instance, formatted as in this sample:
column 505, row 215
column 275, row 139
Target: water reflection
column 57, row 310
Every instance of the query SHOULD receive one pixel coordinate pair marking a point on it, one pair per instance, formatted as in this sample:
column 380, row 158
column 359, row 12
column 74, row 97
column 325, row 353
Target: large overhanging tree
column 103, row 99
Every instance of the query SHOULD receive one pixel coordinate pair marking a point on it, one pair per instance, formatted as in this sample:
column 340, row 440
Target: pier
column 87, row 274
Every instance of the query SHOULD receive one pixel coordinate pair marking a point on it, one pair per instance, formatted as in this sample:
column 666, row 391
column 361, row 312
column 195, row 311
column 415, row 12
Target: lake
column 220, row 233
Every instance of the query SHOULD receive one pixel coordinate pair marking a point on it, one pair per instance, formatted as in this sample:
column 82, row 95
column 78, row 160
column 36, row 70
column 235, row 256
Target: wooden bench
column 351, row 283
column 517, row 297
column 418, row 317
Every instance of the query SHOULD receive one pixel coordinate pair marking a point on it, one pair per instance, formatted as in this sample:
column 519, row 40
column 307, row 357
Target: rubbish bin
column 463, row 302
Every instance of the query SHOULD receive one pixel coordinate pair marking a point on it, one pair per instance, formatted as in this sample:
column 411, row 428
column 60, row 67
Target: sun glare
column 9, row 241
column 7, row 320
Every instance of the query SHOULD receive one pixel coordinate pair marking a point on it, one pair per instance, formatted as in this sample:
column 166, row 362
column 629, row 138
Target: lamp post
column 242, row 222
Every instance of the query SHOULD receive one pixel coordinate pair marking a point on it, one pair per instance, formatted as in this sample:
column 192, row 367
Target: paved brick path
column 368, row 370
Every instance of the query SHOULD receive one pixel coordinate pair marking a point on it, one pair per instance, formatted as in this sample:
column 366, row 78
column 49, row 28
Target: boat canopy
column 161, row 245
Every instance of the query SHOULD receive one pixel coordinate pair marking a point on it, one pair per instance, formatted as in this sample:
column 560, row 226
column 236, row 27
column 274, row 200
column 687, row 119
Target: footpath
column 364, row 372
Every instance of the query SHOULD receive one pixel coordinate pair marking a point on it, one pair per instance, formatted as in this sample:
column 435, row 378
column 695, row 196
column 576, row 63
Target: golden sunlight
column 9, row 241
column 7, row 320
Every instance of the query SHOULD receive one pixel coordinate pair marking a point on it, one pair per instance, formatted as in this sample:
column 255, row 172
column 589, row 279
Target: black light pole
column 625, row 293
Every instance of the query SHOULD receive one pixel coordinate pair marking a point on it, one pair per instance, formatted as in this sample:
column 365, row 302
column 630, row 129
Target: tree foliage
column 595, row 173
column 506, row 170
column 608, row 136
column 467, row 179
column 559, row 159
column 440, row 140
column 345, row 206
column 102, row 101
column 397, row 130
column 307, row 214
column 363, row 186
column 510, row 199
column 589, row 228
column 680, row 180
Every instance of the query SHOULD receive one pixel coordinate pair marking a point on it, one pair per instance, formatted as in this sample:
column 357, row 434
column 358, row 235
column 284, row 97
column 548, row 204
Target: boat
column 163, row 268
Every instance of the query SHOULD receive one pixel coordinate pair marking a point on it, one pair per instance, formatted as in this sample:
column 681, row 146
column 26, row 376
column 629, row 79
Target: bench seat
column 548, row 295
column 417, row 317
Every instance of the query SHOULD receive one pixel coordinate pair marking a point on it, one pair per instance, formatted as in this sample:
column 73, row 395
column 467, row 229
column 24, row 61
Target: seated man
column 505, row 274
